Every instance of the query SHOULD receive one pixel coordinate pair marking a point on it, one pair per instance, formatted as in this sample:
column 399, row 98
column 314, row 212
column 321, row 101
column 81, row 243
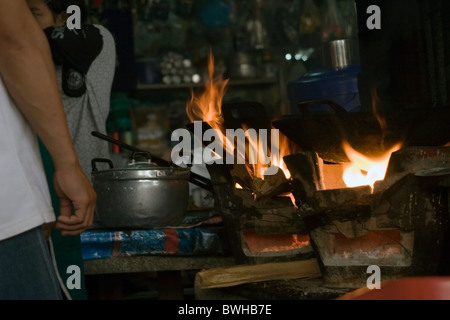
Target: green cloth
column 67, row 249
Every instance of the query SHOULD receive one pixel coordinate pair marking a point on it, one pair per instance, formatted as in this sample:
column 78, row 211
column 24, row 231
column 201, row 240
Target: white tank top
column 24, row 195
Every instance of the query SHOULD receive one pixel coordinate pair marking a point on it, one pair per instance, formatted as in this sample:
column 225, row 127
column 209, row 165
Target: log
column 240, row 274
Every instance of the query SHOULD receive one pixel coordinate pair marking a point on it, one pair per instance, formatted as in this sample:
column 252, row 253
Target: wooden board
column 240, row 274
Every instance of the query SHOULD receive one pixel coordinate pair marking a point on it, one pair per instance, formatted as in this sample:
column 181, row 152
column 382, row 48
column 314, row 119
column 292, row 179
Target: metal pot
column 140, row 196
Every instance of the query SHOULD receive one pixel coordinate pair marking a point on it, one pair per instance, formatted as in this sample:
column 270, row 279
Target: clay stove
column 401, row 223
column 401, row 226
column 262, row 221
column 269, row 229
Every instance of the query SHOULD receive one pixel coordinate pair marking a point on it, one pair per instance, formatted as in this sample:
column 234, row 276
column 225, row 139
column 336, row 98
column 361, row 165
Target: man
column 85, row 61
column 30, row 103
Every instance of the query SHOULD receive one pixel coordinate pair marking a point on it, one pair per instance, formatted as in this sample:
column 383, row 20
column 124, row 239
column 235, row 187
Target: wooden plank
column 240, row 274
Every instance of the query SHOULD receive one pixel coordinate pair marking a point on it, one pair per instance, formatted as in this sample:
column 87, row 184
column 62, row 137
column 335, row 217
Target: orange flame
column 376, row 111
column 281, row 145
column 285, row 147
column 363, row 170
column 208, row 107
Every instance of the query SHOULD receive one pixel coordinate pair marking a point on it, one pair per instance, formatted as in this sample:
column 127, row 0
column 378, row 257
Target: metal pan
column 324, row 132
column 194, row 178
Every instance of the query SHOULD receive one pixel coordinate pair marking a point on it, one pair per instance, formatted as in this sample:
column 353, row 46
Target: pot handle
column 95, row 160
column 135, row 154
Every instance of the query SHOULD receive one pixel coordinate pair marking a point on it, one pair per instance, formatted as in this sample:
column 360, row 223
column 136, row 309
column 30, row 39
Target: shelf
column 148, row 263
column 232, row 82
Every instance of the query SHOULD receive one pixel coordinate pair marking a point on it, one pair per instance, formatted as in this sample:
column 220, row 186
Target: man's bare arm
column 28, row 72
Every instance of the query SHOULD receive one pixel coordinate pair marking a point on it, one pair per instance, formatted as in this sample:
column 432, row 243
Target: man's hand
column 77, row 200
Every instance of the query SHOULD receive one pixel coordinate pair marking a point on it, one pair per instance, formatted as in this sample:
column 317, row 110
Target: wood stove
column 260, row 231
column 401, row 226
column 264, row 225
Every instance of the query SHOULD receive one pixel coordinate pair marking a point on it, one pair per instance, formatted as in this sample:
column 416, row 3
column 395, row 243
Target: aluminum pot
column 142, row 195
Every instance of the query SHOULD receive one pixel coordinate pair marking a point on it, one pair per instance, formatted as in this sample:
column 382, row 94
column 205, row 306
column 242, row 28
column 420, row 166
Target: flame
column 285, row 147
column 376, row 111
column 363, row 170
column 282, row 147
column 207, row 107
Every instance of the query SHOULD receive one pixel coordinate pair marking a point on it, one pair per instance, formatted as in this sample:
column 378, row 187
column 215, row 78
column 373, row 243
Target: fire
column 363, row 170
column 285, row 147
column 207, row 107
column 281, row 144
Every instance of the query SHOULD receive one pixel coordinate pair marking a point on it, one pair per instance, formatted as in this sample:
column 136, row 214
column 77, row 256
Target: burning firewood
column 268, row 186
column 242, row 175
column 271, row 185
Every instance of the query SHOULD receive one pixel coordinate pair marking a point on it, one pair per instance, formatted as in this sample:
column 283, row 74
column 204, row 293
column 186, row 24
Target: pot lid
column 141, row 164
column 141, row 173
